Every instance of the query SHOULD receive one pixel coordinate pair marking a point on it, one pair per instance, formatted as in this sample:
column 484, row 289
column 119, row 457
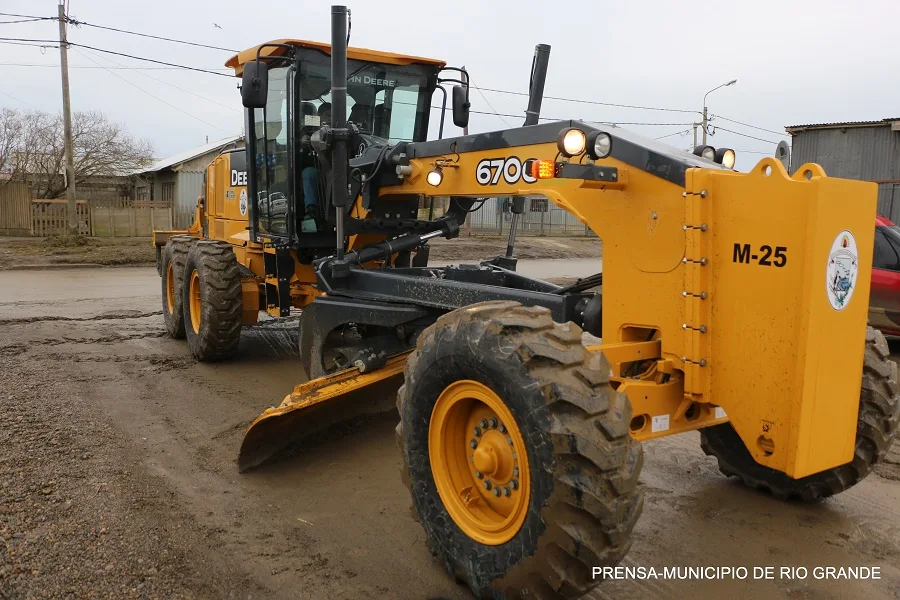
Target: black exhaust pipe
column 536, row 87
column 340, row 133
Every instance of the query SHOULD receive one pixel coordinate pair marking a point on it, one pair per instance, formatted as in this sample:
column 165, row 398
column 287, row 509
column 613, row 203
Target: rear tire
column 211, row 301
column 582, row 464
column 171, row 271
column 879, row 415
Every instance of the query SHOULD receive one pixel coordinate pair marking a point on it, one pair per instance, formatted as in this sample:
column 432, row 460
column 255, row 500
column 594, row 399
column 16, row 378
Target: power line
column 31, row 45
column 159, row 62
column 754, row 152
column 752, row 137
column 122, row 68
column 3, row 14
column 595, row 102
column 748, row 125
column 682, row 132
column 19, row 100
column 147, row 35
column 642, row 123
column 153, row 96
column 6, row 39
column 229, row 107
column 483, row 97
column 27, row 20
column 501, row 115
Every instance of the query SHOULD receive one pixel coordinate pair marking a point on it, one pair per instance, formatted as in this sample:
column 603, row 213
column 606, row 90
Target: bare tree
column 32, row 149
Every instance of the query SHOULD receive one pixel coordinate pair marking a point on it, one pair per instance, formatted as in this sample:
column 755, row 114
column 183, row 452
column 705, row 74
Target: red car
column 884, row 301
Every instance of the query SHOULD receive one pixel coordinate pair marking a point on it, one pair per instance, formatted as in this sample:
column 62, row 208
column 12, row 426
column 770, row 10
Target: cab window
column 887, row 248
column 272, row 162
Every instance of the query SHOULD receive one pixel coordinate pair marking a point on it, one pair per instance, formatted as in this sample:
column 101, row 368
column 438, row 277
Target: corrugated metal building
column 866, row 150
column 178, row 179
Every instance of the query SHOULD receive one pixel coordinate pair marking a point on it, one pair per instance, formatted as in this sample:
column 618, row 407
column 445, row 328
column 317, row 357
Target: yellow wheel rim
column 479, row 462
column 170, row 289
column 196, row 301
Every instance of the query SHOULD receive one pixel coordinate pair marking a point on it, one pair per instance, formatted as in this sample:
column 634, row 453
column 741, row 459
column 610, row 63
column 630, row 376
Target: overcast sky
column 799, row 61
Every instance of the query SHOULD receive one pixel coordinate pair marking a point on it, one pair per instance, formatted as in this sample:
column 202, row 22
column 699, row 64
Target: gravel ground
column 74, row 520
column 118, row 478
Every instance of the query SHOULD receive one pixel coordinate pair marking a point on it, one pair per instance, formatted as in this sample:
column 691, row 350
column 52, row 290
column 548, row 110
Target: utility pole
column 67, row 122
column 705, row 123
column 705, row 119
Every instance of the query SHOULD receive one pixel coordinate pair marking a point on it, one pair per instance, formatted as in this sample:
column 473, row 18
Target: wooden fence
column 50, row 217
column 15, row 209
column 99, row 218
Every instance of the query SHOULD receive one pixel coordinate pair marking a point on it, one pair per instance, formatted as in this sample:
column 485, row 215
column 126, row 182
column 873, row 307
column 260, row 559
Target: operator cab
column 389, row 100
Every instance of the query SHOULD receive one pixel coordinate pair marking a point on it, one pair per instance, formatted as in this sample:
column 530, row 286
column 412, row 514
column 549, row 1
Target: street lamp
column 705, row 119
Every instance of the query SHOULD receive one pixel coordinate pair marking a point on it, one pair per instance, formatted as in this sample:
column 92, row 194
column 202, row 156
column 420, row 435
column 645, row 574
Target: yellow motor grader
column 732, row 303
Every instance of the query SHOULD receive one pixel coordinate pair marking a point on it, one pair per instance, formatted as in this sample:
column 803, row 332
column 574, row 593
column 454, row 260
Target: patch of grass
column 68, row 241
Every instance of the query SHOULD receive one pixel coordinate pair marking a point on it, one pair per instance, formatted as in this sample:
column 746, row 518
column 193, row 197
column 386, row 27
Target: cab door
column 271, row 156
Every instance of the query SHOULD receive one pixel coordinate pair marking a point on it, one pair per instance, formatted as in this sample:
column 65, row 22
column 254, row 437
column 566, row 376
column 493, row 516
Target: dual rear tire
column 201, row 296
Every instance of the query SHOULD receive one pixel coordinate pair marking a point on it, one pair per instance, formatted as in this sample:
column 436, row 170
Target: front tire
column 551, row 421
column 171, row 271
column 879, row 415
column 211, row 299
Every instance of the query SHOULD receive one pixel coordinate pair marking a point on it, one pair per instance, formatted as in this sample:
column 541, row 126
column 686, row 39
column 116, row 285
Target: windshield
column 386, row 102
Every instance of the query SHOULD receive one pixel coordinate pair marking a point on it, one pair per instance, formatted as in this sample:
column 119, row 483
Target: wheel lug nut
column 502, row 428
column 483, row 423
column 497, row 492
column 514, row 483
column 506, row 492
column 477, row 431
column 479, row 474
column 516, row 472
column 487, row 485
column 492, row 422
column 509, row 439
column 473, row 443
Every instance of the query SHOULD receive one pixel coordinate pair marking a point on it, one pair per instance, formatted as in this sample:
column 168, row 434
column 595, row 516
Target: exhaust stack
column 340, row 133
column 536, row 87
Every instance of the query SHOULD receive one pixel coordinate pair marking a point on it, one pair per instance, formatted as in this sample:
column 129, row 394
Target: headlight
column 599, row 144
column 435, row 177
column 707, row 152
column 725, row 157
column 571, row 142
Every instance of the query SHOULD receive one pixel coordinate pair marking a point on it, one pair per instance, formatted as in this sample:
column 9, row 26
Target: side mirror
column 255, row 84
column 460, row 106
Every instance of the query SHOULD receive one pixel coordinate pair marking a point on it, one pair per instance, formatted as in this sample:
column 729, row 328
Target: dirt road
column 118, row 477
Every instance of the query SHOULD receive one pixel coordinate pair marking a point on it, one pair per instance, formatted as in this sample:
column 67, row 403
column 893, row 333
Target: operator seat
column 360, row 116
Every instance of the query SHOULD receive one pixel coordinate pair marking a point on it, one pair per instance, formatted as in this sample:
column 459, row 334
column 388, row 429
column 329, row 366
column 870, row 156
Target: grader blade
column 316, row 405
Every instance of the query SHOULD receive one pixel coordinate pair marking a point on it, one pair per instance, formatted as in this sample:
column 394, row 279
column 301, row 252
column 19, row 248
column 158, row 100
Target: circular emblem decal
column 843, row 264
column 242, row 203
